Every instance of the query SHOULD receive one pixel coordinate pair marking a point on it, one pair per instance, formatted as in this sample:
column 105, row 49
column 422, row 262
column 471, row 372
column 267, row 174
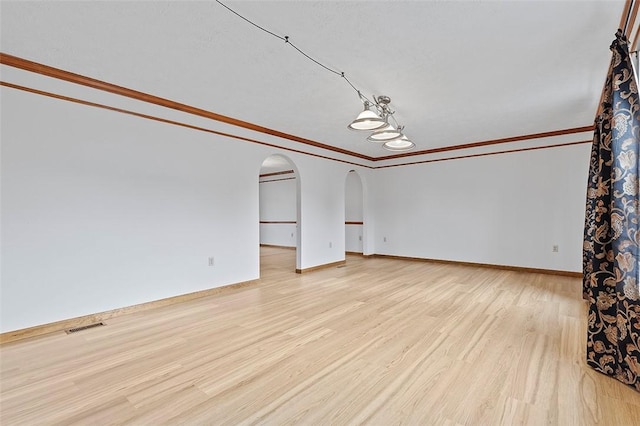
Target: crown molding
column 175, row 123
column 245, row 139
column 49, row 71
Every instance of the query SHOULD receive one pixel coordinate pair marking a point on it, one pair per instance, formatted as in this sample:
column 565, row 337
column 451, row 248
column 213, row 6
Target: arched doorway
column 279, row 205
column 353, row 214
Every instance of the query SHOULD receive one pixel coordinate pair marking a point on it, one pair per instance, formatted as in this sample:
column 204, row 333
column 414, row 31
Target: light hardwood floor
column 380, row 341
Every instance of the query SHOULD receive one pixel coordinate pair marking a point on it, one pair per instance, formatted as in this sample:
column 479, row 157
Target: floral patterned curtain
column 611, row 261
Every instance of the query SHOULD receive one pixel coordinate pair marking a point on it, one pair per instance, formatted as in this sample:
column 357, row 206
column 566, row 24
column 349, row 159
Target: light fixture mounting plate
column 384, row 100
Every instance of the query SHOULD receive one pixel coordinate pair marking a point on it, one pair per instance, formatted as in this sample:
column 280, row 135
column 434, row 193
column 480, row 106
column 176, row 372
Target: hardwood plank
column 379, row 341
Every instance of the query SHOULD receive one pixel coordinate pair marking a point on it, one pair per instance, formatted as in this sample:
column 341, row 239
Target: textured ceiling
column 457, row 72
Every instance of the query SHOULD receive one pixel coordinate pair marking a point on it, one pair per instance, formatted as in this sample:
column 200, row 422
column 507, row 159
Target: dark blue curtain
column 611, row 262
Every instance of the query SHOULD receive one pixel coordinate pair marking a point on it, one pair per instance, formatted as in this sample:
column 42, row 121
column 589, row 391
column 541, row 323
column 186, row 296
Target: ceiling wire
column 252, row 23
column 289, row 42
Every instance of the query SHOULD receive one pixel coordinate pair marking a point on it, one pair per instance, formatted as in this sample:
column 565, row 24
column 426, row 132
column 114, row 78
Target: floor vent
column 84, row 327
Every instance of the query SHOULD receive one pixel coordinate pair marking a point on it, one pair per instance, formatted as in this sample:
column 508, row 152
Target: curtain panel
column 611, row 262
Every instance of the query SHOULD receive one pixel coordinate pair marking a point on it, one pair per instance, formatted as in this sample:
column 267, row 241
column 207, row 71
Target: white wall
column 278, row 234
column 278, row 204
column 353, row 213
column 353, row 238
column 507, row 209
column 322, row 211
column 102, row 210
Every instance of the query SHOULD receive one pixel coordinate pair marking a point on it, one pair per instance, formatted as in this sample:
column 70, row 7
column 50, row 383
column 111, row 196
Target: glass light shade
column 401, row 144
column 385, row 134
column 367, row 120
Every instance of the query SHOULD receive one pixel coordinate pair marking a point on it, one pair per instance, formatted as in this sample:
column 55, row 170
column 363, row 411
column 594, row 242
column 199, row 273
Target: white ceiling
column 457, row 72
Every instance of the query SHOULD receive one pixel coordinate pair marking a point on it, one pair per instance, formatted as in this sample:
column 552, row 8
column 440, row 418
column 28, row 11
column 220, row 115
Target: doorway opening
column 279, row 205
column 353, row 214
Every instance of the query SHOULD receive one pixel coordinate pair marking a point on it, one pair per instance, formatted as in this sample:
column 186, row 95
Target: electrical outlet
column 554, row 249
column 211, row 261
column 384, row 239
column 360, row 238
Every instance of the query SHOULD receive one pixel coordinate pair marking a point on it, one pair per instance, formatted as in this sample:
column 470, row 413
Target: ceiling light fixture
column 385, row 132
column 376, row 121
column 401, row 144
column 367, row 120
